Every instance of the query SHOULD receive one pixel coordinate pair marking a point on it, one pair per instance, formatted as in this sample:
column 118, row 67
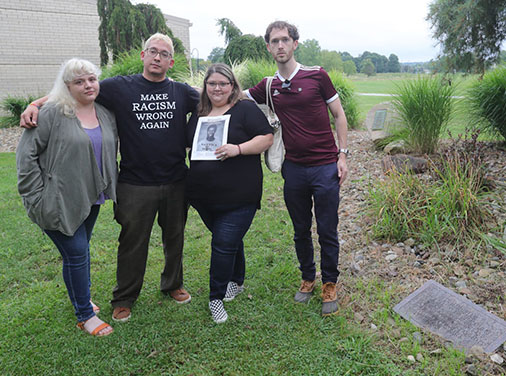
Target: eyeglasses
column 286, row 84
column 222, row 85
column 152, row 52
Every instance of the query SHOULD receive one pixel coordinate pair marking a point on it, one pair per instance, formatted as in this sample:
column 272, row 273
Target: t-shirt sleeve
column 257, row 92
column 256, row 123
column 328, row 91
column 106, row 94
column 193, row 98
column 191, row 128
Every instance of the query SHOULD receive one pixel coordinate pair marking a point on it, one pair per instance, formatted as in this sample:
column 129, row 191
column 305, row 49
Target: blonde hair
column 162, row 37
column 69, row 71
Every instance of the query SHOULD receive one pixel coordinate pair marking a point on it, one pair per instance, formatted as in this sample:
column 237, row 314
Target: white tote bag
column 275, row 155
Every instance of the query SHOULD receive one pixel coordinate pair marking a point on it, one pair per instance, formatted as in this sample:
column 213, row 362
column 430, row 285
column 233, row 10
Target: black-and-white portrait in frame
column 210, row 134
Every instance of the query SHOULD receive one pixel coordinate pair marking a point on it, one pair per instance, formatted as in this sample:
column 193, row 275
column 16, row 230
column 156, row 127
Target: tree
column 216, row 55
column 246, row 47
column 331, row 60
column 228, row 29
column 124, row 26
column 380, row 62
column 308, row 52
column 367, row 67
column 393, row 65
column 241, row 47
column 469, row 32
column 349, row 67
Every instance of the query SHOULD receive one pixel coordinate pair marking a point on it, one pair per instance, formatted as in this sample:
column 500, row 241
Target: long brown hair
column 205, row 105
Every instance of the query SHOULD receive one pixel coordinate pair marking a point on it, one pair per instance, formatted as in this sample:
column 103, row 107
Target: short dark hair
column 292, row 30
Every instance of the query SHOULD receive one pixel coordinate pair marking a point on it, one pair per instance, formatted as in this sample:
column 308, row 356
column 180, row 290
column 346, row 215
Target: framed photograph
column 211, row 133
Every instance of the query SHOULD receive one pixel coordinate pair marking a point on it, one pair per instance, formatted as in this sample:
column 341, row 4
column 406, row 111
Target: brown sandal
column 97, row 330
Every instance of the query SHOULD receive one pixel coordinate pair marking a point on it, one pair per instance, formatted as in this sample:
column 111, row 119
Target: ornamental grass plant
column 486, row 100
column 14, row 107
column 447, row 205
column 425, row 106
column 347, row 96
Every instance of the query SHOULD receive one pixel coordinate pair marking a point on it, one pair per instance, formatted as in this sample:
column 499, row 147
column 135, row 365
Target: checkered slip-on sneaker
column 233, row 289
column 218, row 311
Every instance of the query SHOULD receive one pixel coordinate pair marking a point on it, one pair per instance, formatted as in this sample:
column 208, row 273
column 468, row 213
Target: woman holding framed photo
column 226, row 188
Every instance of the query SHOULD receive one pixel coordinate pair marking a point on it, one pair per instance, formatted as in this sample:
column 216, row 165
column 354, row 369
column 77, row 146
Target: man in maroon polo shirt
column 314, row 166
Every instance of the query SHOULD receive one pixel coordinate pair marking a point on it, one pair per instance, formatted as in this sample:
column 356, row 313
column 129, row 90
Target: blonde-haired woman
column 66, row 169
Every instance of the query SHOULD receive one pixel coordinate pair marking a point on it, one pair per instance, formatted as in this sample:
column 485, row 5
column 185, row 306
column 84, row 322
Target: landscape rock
column 460, row 284
column 471, row 370
column 358, row 317
column 476, row 351
column 496, row 358
column 395, row 147
column 484, row 273
column 404, row 163
column 417, row 336
column 391, row 257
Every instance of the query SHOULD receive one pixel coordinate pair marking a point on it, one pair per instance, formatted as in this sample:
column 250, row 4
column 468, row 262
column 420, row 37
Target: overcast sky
column 355, row 26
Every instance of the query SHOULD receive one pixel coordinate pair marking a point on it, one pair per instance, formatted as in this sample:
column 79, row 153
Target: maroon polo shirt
column 302, row 110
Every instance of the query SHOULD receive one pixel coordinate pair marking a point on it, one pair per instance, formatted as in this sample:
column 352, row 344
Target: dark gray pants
column 135, row 211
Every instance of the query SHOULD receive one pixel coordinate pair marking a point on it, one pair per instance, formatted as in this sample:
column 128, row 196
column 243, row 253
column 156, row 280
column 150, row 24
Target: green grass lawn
column 267, row 333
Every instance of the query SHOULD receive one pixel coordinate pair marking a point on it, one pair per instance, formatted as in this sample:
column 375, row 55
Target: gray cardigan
column 58, row 177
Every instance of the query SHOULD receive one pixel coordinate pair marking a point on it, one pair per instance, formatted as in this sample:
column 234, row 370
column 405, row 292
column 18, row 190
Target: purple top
column 95, row 135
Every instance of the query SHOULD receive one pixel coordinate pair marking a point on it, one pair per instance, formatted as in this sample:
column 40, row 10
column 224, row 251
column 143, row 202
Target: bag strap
column 268, row 95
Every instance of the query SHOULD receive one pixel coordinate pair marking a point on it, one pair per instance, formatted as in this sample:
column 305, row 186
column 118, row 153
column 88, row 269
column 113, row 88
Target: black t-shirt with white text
column 151, row 120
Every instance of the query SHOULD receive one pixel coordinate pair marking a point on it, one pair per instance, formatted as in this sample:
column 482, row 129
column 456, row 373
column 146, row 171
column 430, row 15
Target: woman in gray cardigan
column 66, row 169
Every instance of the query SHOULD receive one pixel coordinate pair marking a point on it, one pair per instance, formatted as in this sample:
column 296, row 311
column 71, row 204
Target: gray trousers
column 135, row 211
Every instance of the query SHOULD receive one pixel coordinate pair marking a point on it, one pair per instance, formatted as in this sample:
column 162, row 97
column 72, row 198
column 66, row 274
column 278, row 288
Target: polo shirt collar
column 282, row 79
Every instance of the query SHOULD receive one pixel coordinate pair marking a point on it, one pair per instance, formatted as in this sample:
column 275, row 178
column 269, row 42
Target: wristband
column 239, row 146
column 33, row 104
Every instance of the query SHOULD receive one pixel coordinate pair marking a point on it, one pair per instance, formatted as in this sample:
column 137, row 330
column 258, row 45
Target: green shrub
column 131, row 63
column 448, row 205
column 425, row 106
column 347, row 95
column 256, row 71
column 487, row 102
column 14, row 106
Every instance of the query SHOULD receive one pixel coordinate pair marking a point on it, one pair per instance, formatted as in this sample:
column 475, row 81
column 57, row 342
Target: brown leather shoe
column 180, row 295
column 121, row 314
column 305, row 291
column 329, row 298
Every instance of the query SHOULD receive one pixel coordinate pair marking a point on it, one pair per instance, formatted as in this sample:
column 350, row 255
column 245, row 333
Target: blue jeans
column 228, row 227
column 305, row 186
column 75, row 251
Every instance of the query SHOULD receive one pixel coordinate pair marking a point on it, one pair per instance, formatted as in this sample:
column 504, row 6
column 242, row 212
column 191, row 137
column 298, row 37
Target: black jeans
column 228, row 227
column 135, row 211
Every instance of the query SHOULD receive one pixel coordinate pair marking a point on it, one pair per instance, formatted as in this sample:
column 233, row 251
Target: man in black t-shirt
column 152, row 171
column 151, row 115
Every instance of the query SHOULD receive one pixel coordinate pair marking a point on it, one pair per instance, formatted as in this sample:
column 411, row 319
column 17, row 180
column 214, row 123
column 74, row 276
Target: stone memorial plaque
column 441, row 311
column 379, row 120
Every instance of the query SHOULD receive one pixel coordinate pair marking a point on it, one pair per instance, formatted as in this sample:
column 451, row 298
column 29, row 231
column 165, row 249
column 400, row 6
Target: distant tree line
column 241, row 47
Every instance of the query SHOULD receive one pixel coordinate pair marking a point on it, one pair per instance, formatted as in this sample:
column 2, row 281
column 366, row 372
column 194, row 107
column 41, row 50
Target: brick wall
column 37, row 36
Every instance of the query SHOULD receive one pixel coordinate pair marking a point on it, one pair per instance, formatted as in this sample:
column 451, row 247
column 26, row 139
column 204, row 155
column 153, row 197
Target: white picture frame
column 211, row 133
